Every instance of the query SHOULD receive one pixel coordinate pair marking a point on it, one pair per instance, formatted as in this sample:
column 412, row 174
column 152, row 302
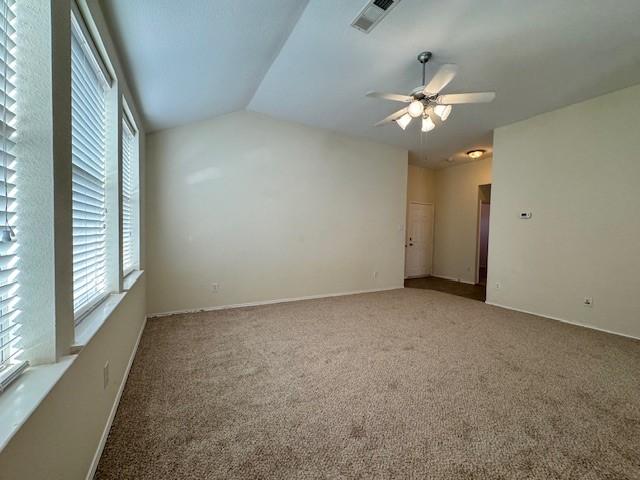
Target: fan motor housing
column 424, row 57
column 418, row 94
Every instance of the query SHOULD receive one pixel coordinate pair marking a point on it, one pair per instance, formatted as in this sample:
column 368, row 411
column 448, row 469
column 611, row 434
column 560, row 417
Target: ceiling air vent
column 372, row 13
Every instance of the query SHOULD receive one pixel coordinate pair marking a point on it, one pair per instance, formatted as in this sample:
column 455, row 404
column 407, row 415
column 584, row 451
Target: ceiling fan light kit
column 427, row 124
column 404, row 121
column 416, row 108
column 443, row 111
column 427, row 98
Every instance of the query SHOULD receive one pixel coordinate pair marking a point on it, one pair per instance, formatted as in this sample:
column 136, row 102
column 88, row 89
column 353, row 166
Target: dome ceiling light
column 476, row 153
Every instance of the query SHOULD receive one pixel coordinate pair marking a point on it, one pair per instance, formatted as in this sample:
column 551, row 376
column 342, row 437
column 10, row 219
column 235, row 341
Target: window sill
column 25, row 393
column 92, row 323
column 131, row 279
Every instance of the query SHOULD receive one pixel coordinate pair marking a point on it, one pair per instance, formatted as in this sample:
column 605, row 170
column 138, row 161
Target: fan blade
column 441, row 79
column 395, row 97
column 392, row 117
column 457, row 98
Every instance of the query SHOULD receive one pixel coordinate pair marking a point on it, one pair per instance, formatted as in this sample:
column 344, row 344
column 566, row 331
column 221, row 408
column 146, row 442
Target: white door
column 419, row 241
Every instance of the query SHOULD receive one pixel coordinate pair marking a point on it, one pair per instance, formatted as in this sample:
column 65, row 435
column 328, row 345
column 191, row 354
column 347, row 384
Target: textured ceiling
column 196, row 59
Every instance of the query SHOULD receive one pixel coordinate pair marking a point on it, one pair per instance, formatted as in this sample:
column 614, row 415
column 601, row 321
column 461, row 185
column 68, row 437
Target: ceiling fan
column 426, row 101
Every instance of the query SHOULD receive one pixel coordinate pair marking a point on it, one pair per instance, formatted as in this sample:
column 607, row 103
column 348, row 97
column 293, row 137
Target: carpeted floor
column 399, row 384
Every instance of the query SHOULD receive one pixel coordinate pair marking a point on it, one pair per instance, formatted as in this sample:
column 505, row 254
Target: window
column 10, row 366
column 129, row 197
column 88, row 132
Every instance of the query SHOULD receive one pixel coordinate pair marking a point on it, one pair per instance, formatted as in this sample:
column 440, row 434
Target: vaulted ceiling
column 193, row 59
column 303, row 62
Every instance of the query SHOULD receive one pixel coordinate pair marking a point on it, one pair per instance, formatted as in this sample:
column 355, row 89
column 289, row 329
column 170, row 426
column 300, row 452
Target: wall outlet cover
column 588, row 301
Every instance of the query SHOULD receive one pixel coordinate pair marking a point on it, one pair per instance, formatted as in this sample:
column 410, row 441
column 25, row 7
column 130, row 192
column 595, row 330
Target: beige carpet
column 400, row 384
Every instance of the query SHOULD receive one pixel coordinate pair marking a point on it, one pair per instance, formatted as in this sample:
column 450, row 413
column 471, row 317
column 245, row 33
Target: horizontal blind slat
column 82, row 177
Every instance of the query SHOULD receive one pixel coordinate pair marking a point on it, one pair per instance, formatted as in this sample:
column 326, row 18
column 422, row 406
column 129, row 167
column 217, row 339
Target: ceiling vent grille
column 383, row 4
column 372, row 13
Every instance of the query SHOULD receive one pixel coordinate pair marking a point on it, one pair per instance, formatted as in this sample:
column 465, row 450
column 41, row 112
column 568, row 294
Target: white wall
column 421, row 185
column 270, row 210
column 577, row 170
column 456, row 225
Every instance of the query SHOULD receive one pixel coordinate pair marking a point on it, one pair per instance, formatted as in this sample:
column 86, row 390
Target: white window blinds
column 88, row 131
column 128, row 199
column 10, row 366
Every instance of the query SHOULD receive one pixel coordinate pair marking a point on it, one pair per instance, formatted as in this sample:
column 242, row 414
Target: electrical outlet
column 497, row 285
column 375, row 275
column 105, row 375
column 588, row 301
column 214, row 288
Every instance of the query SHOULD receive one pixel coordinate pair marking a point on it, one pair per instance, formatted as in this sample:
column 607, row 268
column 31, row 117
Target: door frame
column 479, row 220
column 406, row 237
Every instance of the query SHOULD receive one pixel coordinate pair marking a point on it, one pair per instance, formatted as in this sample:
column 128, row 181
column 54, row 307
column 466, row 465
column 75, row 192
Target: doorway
column 484, row 214
column 419, row 240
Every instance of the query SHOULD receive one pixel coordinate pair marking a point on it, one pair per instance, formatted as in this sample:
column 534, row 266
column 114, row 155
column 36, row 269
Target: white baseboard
column 269, row 302
column 558, row 319
column 459, row 280
column 114, row 408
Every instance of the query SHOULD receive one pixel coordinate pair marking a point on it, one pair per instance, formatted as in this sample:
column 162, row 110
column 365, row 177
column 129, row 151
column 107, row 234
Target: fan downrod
column 423, row 58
